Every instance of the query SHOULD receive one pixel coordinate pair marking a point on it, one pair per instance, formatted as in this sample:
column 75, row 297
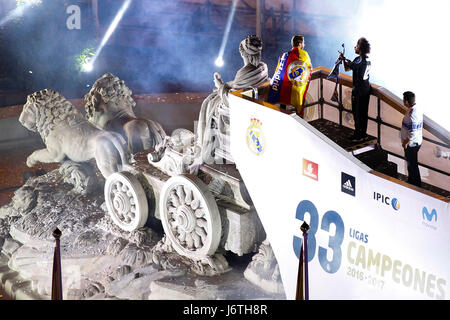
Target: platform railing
column 380, row 94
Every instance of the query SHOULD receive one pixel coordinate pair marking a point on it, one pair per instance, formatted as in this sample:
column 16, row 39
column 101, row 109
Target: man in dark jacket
column 361, row 87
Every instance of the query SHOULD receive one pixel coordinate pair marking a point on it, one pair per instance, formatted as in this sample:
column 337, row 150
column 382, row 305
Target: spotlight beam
column 219, row 61
column 18, row 11
column 112, row 27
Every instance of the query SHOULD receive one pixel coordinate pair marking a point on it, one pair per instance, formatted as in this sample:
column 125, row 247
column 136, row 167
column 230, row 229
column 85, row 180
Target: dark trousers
column 360, row 109
column 413, row 165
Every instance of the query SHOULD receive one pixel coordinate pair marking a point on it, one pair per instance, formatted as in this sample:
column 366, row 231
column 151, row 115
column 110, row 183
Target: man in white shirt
column 411, row 136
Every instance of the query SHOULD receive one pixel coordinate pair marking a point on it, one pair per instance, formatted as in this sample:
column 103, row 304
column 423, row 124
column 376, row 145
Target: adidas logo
column 348, row 184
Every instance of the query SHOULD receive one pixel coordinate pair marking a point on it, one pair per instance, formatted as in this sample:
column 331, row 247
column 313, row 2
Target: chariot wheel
column 126, row 201
column 190, row 216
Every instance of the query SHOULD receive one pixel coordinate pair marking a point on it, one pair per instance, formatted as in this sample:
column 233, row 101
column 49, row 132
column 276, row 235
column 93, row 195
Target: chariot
column 202, row 202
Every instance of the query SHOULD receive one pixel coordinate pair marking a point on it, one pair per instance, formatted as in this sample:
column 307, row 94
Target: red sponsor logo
column 310, row 169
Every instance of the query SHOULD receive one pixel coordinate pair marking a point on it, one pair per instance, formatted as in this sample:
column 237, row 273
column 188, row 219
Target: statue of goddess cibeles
column 210, row 143
column 212, row 131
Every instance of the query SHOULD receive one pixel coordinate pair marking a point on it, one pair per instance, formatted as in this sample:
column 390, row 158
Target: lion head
column 44, row 110
column 108, row 97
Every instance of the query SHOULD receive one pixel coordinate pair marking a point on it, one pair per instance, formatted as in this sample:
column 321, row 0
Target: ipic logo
column 387, row 200
column 348, row 184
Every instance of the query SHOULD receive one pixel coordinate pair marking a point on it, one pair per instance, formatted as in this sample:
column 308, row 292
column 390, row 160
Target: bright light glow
column 409, row 46
column 87, row 67
column 31, row 2
column 219, row 60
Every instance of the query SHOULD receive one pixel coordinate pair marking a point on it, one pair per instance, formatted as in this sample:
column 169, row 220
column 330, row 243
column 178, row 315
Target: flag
column 291, row 79
column 334, row 75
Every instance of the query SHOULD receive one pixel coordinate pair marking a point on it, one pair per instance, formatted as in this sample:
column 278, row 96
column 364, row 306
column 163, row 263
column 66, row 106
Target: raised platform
column 374, row 157
column 339, row 135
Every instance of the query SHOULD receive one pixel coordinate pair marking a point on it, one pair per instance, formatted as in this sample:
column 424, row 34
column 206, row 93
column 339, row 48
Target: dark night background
column 158, row 47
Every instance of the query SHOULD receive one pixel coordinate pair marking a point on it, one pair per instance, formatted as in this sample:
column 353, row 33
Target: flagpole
column 305, row 227
column 56, row 276
column 302, row 292
column 299, row 292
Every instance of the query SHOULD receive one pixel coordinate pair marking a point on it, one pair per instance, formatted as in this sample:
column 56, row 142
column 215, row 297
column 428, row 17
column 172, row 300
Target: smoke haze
column 171, row 46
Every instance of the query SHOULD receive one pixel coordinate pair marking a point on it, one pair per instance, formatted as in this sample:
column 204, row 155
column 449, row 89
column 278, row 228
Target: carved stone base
column 98, row 259
column 263, row 271
column 165, row 256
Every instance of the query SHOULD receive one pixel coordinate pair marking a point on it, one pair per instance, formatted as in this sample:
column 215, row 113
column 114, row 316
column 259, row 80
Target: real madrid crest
column 256, row 141
column 297, row 73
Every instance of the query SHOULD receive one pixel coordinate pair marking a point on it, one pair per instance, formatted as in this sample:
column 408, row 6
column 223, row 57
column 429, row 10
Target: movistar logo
column 429, row 216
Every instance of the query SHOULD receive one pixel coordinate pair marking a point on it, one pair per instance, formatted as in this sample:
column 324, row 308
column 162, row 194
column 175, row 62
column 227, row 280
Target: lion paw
column 30, row 162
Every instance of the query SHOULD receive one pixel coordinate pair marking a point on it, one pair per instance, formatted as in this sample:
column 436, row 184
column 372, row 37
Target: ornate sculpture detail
column 81, row 176
column 263, row 271
column 190, row 216
column 109, row 106
column 213, row 124
column 67, row 134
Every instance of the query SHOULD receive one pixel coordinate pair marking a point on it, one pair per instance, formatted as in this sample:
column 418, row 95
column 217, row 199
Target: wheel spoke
column 189, row 241
column 201, row 232
column 199, row 213
column 202, row 223
column 188, row 199
column 195, row 203
column 171, row 209
column 182, row 236
column 180, row 193
column 119, row 215
column 175, row 200
column 196, row 238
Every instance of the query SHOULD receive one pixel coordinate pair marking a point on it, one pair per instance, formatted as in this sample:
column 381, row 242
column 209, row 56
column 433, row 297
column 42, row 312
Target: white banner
column 370, row 238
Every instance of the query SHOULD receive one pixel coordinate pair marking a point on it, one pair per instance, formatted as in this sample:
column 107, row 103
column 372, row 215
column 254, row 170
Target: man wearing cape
column 290, row 81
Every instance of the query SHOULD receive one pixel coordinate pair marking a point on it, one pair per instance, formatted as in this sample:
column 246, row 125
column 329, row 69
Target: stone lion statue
column 67, row 134
column 109, row 106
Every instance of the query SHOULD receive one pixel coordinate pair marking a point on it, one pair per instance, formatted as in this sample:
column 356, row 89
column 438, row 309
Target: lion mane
column 51, row 109
column 108, row 88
